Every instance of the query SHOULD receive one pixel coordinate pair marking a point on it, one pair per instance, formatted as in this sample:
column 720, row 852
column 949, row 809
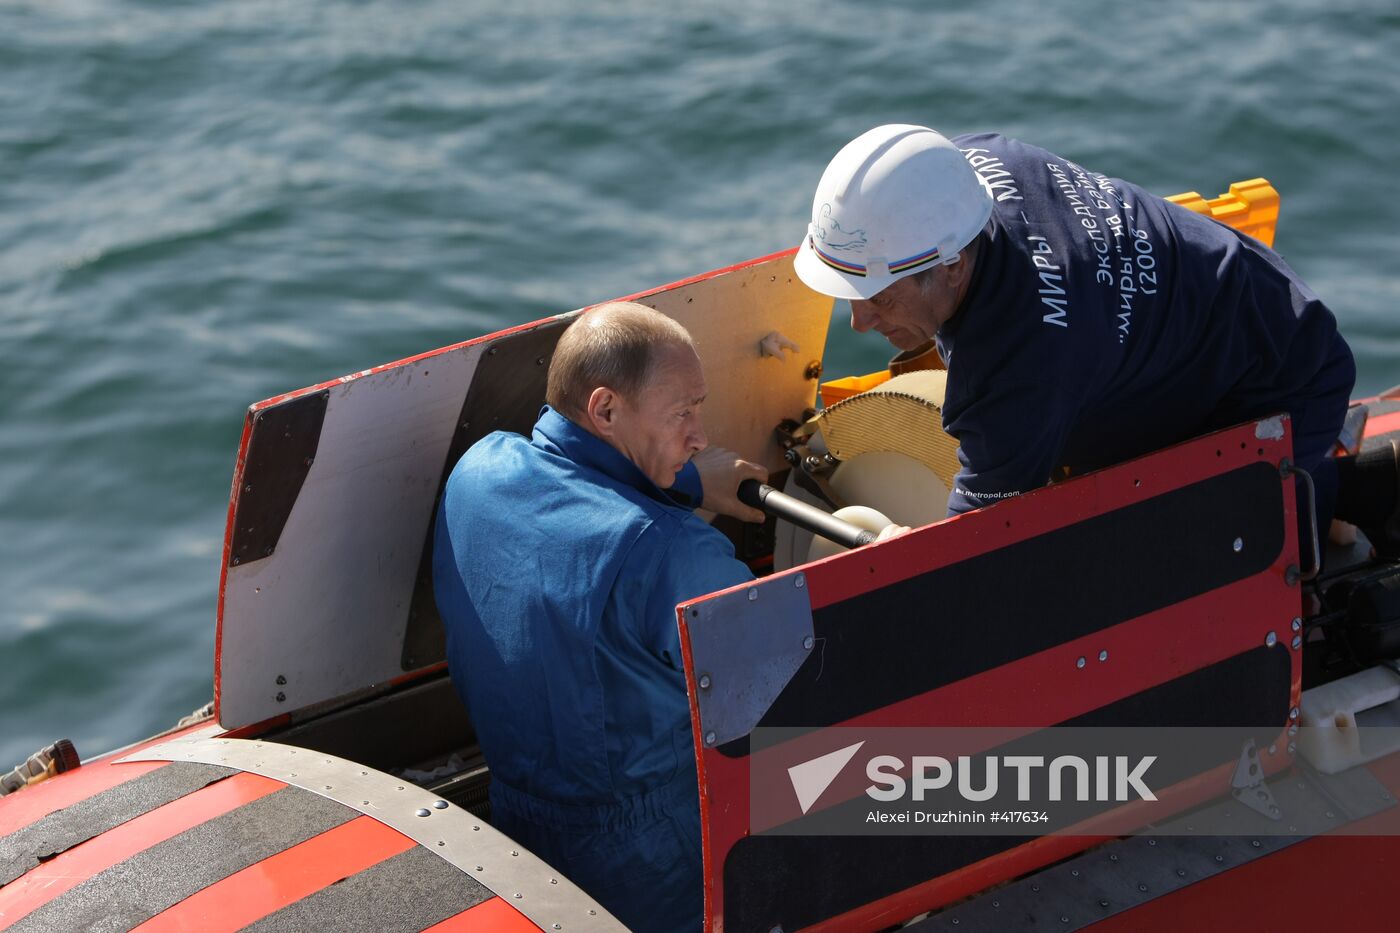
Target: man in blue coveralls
column 558, row 563
column 1083, row 320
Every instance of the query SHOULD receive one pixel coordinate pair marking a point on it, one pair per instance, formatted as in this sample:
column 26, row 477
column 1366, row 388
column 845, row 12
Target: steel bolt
column 1293, row 713
column 281, row 697
column 1297, row 642
column 704, row 681
column 439, row 804
column 800, row 581
column 1142, row 888
column 1238, row 545
column 808, row 642
column 1103, row 655
column 1255, row 843
column 753, row 593
column 281, row 680
column 422, row 811
column 1297, row 625
column 1079, row 663
column 709, row 738
column 1220, row 858
column 1271, row 639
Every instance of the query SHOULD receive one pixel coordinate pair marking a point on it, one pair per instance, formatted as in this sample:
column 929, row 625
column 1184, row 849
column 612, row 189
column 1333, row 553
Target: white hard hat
column 896, row 200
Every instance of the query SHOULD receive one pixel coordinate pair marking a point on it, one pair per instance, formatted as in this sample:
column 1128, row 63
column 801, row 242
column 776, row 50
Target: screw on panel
column 422, row 811
column 753, row 593
column 800, row 581
column 704, row 681
column 281, row 697
column 439, row 804
column 1220, row 858
column 1238, row 545
column 1142, row 888
column 1079, row 663
column 709, row 738
column 808, row 642
column 1181, row 873
column 1271, row 639
column 281, row 680
column 1255, row 843
column 1297, row 642
column 1273, row 749
column 1103, row 902
column 1297, row 624
column 1293, row 729
column 1103, row 655
column 1293, row 713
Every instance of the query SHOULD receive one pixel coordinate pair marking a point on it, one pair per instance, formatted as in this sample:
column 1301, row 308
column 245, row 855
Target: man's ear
column 601, row 411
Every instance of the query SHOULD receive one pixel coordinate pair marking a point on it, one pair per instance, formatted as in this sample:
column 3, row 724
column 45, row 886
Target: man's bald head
column 614, row 345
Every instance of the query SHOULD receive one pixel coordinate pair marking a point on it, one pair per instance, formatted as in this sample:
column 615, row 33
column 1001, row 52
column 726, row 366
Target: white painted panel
column 328, row 610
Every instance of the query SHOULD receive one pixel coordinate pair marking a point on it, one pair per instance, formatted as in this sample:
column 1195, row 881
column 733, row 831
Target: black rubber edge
column 403, row 894
column 24, row 849
column 280, row 452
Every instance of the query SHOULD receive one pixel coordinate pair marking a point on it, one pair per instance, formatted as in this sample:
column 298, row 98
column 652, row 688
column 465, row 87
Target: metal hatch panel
column 317, row 601
column 1143, row 594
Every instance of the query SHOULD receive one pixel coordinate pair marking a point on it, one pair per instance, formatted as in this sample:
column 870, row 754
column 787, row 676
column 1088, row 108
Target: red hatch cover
column 1141, row 595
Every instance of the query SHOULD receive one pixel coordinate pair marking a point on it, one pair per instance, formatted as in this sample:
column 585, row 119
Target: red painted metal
column 1342, row 882
column 1031, row 691
column 34, row 803
column 493, row 916
column 92, row 777
column 1384, row 424
column 69, row 869
column 282, row 879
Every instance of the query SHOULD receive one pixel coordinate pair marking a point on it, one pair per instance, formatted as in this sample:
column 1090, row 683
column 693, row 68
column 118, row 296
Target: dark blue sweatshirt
column 1103, row 322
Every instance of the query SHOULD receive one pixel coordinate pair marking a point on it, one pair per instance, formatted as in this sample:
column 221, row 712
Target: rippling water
column 205, row 204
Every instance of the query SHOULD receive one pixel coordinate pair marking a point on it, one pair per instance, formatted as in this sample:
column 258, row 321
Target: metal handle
column 765, row 497
column 1286, row 467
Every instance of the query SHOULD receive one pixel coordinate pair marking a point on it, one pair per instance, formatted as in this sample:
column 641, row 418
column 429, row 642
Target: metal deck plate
column 506, row 869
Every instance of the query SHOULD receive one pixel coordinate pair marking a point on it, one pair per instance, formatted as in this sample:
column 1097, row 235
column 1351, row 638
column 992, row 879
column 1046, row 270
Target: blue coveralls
column 1103, row 322
column 557, row 568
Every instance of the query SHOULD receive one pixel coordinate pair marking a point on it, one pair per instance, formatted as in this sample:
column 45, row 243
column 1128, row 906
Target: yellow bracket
column 1251, row 207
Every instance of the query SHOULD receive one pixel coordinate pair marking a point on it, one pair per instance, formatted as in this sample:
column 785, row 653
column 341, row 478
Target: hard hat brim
column 820, row 277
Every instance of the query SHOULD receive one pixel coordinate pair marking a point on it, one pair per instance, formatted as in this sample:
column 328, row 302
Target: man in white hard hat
column 1083, row 320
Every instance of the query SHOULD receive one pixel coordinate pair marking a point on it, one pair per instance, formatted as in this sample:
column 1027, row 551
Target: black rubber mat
column 60, row 831
column 134, row 890
column 404, row 894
